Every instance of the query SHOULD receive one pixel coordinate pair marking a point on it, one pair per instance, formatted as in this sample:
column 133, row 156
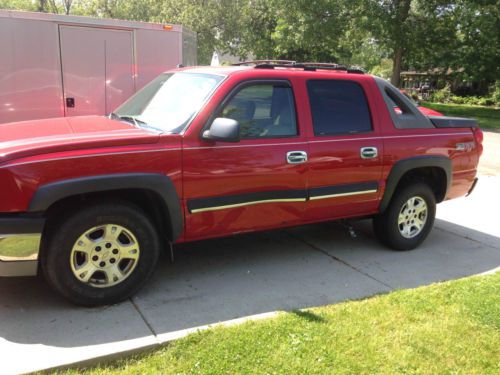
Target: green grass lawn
column 488, row 117
column 447, row 328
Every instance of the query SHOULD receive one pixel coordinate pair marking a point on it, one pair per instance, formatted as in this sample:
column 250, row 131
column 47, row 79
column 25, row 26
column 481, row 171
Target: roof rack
column 309, row 66
column 259, row 62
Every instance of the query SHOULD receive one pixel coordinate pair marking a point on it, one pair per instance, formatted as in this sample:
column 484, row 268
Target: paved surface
column 229, row 278
column 490, row 160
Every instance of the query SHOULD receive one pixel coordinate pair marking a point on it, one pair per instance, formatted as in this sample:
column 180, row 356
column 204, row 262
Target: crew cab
column 207, row 152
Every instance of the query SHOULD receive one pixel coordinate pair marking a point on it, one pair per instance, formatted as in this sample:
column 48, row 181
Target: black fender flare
column 162, row 185
column 405, row 165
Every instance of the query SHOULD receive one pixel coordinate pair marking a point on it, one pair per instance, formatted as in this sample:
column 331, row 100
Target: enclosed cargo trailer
column 55, row 65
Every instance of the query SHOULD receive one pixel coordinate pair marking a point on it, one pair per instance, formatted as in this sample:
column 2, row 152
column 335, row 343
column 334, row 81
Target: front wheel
column 101, row 254
column 408, row 219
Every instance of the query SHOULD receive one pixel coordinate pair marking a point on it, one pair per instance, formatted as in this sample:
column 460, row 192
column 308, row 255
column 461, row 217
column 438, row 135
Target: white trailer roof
column 91, row 21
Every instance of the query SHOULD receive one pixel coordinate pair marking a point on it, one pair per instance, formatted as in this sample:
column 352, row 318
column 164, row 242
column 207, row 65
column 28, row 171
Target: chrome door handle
column 296, row 157
column 368, row 152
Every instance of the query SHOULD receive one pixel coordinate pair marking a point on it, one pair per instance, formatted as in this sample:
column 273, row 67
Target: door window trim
column 240, row 86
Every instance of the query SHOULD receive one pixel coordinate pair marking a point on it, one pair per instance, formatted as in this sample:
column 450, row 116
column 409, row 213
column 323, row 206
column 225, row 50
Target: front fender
column 47, row 195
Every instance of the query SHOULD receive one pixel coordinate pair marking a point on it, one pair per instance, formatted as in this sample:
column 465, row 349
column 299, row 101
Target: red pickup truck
column 207, row 152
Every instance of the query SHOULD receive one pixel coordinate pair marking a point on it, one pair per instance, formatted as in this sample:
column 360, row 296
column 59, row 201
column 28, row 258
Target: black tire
column 56, row 258
column 386, row 226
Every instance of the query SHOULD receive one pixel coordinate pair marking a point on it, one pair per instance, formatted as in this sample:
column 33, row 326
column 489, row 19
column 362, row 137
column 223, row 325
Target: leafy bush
column 472, row 100
column 487, row 101
column 441, row 96
column 458, row 99
column 444, row 96
column 495, row 95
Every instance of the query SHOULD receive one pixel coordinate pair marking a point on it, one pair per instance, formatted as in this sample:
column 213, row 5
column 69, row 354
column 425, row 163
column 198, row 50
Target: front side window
column 263, row 111
column 169, row 102
column 338, row 107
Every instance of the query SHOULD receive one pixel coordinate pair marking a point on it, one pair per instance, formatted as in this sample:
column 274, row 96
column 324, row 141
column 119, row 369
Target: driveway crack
column 143, row 317
column 465, row 236
column 314, row 247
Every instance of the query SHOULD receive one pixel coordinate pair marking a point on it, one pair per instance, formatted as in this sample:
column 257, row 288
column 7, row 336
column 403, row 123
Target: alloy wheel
column 104, row 255
column 412, row 217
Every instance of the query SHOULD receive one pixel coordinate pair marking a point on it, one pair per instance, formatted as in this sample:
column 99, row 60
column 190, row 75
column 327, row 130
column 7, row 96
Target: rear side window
column 338, row 107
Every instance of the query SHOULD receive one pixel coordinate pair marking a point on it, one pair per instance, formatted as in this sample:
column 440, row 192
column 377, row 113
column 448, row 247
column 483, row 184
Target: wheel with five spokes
column 408, row 219
column 101, row 254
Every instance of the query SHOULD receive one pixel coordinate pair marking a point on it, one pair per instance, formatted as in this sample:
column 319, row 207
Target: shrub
column 495, row 95
column 441, row 96
column 458, row 99
column 444, row 96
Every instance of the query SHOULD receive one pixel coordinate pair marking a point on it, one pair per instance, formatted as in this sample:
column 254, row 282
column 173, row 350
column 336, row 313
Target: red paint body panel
column 39, row 152
column 335, row 160
column 27, row 174
column 37, row 137
column 248, row 166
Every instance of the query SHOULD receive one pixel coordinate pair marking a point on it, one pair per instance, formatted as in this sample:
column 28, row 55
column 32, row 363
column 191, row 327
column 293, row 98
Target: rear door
column 256, row 183
column 345, row 163
column 97, row 69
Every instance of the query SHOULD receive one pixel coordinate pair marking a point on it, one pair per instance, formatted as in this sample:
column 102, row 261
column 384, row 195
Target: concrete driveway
column 228, row 278
column 490, row 160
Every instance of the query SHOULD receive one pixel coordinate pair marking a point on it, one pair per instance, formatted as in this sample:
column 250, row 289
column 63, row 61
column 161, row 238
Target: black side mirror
column 224, row 130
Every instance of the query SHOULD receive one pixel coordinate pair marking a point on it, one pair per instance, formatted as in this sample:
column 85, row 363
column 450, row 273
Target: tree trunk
column 42, row 6
column 402, row 11
column 397, row 62
column 67, row 6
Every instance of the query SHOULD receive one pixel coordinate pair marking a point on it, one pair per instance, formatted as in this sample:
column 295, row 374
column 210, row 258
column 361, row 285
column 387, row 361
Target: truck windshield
column 168, row 102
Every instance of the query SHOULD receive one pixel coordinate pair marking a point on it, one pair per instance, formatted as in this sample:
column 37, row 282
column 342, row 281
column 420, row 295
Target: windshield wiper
column 134, row 120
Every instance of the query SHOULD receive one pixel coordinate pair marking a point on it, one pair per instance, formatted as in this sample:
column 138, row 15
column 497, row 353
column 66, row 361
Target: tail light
column 478, row 137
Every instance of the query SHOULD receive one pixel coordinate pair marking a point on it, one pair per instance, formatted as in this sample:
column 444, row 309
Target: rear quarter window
column 338, row 107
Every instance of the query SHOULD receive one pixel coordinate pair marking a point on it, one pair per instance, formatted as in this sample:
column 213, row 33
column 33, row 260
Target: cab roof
column 274, row 65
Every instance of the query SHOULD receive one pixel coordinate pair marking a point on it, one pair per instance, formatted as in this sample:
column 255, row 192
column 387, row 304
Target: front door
column 257, row 183
column 97, row 69
column 345, row 151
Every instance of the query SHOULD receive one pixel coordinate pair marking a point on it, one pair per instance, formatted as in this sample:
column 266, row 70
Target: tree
column 306, row 30
column 477, row 43
column 399, row 11
column 216, row 22
column 18, row 5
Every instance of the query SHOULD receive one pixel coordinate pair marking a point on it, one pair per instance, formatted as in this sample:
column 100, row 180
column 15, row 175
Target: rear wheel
column 101, row 254
column 408, row 219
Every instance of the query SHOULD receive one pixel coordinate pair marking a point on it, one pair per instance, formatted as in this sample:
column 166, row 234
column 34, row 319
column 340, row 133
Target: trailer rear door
column 97, row 69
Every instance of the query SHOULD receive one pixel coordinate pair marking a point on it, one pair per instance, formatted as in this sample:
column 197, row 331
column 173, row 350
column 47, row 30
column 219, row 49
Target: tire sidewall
column 396, row 239
column 58, row 267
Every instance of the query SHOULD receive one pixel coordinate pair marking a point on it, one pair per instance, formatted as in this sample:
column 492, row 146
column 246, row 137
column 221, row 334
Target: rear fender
column 401, row 167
